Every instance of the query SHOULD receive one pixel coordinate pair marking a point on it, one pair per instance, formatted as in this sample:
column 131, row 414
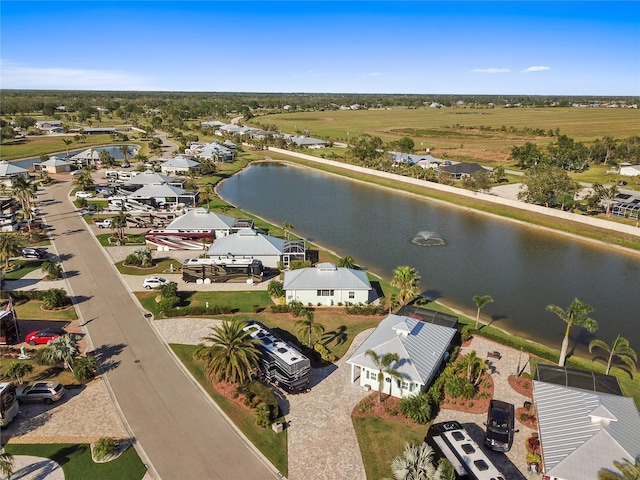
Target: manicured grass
column 77, row 464
column 26, row 266
column 381, row 440
column 52, row 373
column 272, row 445
column 240, row 301
column 161, row 265
column 136, row 240
column 34, row 311
column 49, row 145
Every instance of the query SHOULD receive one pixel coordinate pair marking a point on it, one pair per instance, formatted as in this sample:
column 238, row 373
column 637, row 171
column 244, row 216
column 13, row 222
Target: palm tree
column 620, row 349
column 286, row 228
column 307, row 326
column 18, row 370
column 383, row 365
column 481, row 301
column 118, row 224
column 67, row 142
column 52, row 270
column 473, row 367
column 106, row 159
column 232, row 354
column 628, row 471
column 83, row 181
column 125, row 150
column 578, row 314
column 416, row 463
column 207, row 194
column 63, row 349
column 9, row 247
column 6, row 464
column 347, row 262
column 25, row 192
column 406, row 279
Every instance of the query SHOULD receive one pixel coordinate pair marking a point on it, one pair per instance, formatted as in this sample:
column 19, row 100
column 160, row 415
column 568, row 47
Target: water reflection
column 523, row 268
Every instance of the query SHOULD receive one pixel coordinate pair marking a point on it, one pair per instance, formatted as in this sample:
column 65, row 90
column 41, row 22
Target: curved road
column 180, row 430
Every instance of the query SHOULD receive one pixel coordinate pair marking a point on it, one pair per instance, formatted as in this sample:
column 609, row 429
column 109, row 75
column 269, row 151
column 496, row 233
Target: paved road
column 180, row 429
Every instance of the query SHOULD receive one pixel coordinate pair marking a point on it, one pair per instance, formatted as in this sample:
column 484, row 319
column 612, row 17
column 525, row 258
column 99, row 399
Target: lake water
column 523, row 268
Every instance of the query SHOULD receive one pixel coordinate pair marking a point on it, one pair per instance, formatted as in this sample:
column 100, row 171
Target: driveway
column 180, row 430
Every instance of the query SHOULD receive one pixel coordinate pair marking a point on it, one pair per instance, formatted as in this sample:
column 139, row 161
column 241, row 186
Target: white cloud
column 490, row 70
column 15, row 75
column 536, row 68
column 375, row 74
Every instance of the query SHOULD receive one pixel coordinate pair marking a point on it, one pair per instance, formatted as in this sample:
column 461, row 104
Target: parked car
column 126, row 165
column 83, row 194
column 34, row 252
column 622, row 183
column 47, row 392
column 106, row 223
column 500, row 426
column 40, row 337
column 153, row 282
column 75, row 172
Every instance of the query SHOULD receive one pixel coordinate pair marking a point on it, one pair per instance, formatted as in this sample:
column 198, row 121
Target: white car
column 154, row 282
column 83, row 194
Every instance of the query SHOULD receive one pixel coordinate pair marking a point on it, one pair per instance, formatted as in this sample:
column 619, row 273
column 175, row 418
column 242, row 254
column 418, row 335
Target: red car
column 40, row 337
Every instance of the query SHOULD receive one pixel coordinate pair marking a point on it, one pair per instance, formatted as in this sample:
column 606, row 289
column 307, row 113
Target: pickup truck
column 106, row 223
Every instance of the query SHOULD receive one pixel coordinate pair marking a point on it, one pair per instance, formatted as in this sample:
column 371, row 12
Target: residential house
column 462, row 169
column 307, row 142
column 327, row 284
column 48, row 124
column 53, row 165
column 212, row 151
column 629, row 170
column 421, row 346
column 200, row 219
column 164, row 195
column 248, row 243
column 425, row 161
column 180, row 164
column 9, row 173
column 584, row 424
column 90, row 156
column 149, row 177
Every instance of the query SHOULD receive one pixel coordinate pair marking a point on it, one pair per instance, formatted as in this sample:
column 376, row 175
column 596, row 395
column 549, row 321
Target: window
column 372, row 375
column 405, row 385
column 325, row 293
column 352, row 295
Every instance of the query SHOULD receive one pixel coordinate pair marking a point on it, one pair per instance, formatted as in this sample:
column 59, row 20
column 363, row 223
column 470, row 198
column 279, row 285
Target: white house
column 53, row 165
column 48, row 124
column 629, row 170
column 421, row 346
column 583, row 431
column 180, row 164
column 10, row 172
column 248, row 243
column 327, row 284
column 199, row 219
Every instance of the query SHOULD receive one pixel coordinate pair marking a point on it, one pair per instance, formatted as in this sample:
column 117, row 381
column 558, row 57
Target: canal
column 523, row 268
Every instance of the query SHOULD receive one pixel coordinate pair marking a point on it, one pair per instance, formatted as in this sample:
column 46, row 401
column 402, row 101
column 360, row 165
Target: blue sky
column 444, row 47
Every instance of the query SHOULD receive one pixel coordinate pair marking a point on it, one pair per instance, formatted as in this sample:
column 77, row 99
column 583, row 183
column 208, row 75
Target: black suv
column 500, row 421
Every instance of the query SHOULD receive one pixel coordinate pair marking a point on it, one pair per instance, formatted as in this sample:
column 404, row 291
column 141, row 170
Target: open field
column 49, row 145
column 456, row 133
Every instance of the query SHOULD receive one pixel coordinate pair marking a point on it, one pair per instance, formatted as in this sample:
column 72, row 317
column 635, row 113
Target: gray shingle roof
column 325, row 276
column 420, row 346
column 582, row 432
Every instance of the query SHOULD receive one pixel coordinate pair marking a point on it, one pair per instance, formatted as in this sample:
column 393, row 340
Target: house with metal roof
column 157, row 194
column 211, row 151
column 10, row 172
column 421, row 346
column 307, row 142
column 149, row 177
column 53, row 165
column 583, row 431
column 327, row 284
column 89, row 156
column 247, row 243
column 48, row 124
column 200, row 219
column 629, row 170
column 180, row 164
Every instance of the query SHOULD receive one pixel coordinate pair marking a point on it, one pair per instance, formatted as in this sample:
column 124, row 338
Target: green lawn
column 77, row 464
column 241, row 301
column 49, row 145
column 272, row 445
column 26, row 266
column 161, row 265
column 34, row 311
column 381, row 440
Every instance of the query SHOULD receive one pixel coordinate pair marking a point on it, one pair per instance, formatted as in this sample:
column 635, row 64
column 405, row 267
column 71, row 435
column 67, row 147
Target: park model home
column 421, row 346
column 327, row 284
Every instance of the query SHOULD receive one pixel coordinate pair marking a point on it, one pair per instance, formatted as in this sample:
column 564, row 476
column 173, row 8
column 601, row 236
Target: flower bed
column 522, row 385
column 478, row 404
column 389, row 409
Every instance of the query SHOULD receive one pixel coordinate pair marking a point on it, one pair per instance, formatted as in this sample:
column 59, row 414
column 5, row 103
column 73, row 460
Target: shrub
column 365, row 310
column 263, row 415
column 465, row 333
column 533, row 458
column 140, row 258
column 524, row 417
column 55, row 298
column 459, row 387
column 296, row 308
column 418, row 408
column 85, row 368
column 275, row 289
column 167, row 303
column 42, row 357
column 324, row 352
column 365, row 405
column 280, row 308
column 104, row 447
